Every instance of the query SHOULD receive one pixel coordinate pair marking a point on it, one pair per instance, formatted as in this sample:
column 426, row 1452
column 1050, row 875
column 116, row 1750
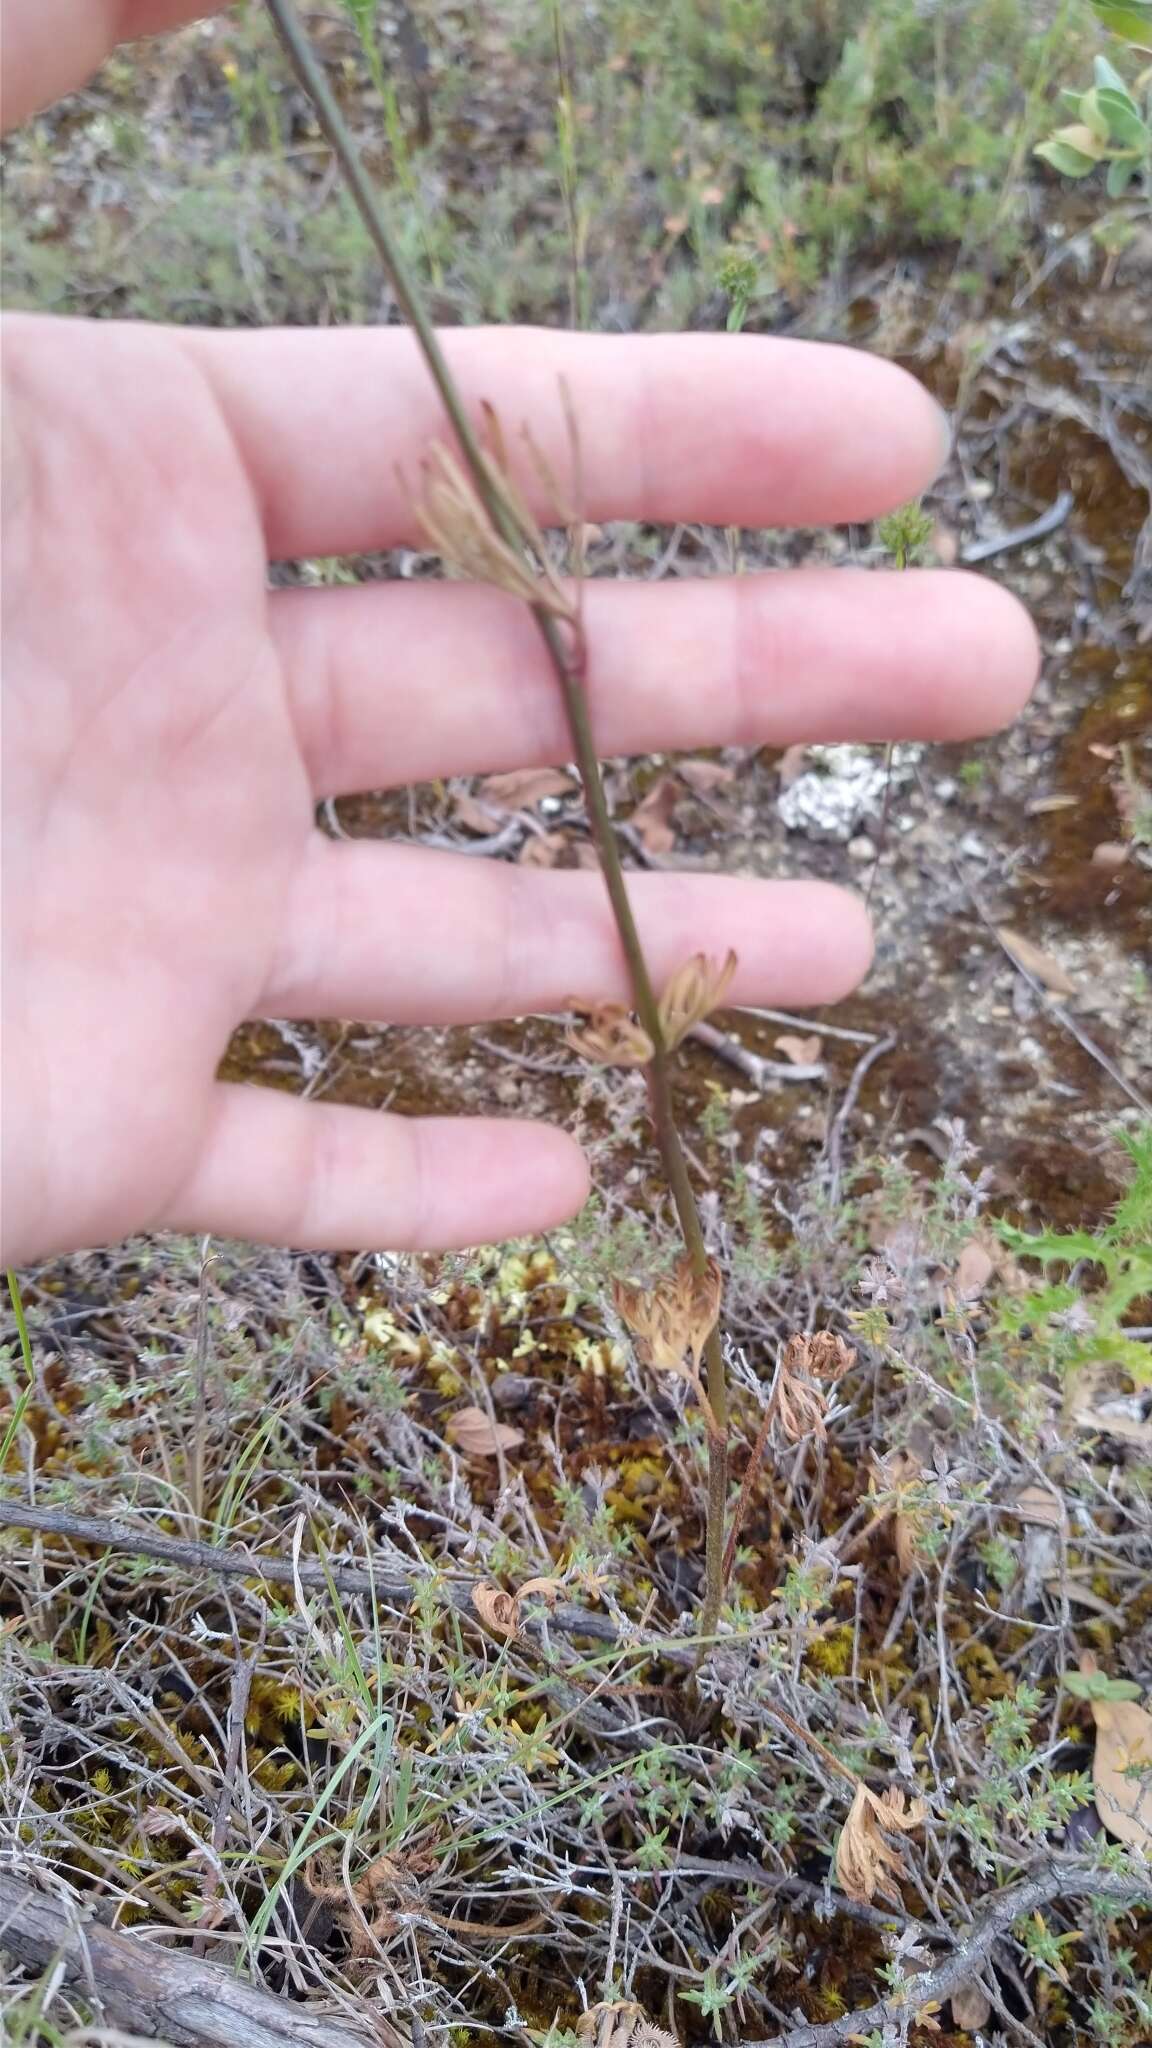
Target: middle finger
column 396, row 682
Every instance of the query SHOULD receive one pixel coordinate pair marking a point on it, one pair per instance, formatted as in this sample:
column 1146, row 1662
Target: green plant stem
column 17, row 1301
column 566, row 652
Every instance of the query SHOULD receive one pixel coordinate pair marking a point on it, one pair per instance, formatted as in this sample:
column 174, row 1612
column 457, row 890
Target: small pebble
column 861, row 848
column 511, row 1390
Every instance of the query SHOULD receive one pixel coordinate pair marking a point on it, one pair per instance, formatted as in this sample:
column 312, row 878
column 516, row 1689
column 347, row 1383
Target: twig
column 752, row 1065
column 236, row 1563
column 154, row 1991
column 1019, row 536
column 1054, row 1009
column 808, row 1024
column 747, row 1484
column 243, row 1672
column 851, row 1097
column 1052, row 1881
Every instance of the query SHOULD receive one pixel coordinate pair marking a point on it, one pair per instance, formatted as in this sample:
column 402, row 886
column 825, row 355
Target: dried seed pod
column 695, row 990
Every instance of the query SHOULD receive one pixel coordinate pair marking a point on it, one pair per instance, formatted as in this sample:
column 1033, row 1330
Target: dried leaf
column 800, row 1409
column 1036, row 1504
column 801, row 1052
column 542, row 850
column 865, row 1861
column 1122, row 1768
column 971, row 2008
column 791, row 765
column 498, row 1610
column 705, row 776
column 974, row 1269
column 611, row 1037
column 653, row 814
column 548, row 1590
column 695, row 990
column 473, row 816
column 457, row 523
column 475, row 1433
column 800, row 1406
column 521, row 788
column 1036, row 962
column 674, row 1319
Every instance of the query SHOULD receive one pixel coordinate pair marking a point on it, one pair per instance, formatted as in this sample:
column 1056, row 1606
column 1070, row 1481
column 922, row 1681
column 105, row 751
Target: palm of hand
column 157, row 802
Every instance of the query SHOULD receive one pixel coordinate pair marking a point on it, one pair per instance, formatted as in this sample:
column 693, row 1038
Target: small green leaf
column 1092, row 116
column 1069, row 162
column 1131, row 19
column 1107, row 75
column 1123, row 118
column 1098, row 1685
column 1120, row 176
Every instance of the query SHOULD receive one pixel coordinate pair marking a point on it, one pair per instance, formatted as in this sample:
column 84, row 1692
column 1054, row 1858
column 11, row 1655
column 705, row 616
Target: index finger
column 740, row 430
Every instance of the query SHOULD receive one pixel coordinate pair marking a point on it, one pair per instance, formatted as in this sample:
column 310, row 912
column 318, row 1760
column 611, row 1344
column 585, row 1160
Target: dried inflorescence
column 674, row 1321
column 621, row 2023
column 810, row 1366
column 463, row 533
column 866, row 1862
column 611, row 1037
column 695, row 990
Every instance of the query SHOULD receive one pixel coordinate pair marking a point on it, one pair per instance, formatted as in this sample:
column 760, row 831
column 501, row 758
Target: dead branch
column 156, row 1992
column 1063, row 1879
column 237, row 1563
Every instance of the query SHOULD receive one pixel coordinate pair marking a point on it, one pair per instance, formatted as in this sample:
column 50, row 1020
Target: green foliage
column 1109, row 127
column 686, row 150
column 1071, row 1325
column 906, row 533
column 1098, row 1685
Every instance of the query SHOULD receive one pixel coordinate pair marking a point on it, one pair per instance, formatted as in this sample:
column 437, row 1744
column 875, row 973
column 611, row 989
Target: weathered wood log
column 157, row 1992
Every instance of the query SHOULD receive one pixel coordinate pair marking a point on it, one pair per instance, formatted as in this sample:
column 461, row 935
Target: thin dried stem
column 566, row 652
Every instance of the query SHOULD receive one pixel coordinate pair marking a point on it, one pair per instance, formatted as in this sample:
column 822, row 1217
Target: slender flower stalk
column 564, row 642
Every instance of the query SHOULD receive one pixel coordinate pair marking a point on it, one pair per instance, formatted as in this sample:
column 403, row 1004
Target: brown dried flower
column 498, row 1610
column 611, row 1037
column 695, row 990
column 865, row 1862
column 674, row 1320
column 459, row 527
column 799, row 1404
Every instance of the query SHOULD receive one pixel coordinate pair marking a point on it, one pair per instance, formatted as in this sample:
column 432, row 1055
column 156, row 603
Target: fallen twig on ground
column 159, row 1993
column 835, row 1154
column 1064, row 1879
column 277, row 1571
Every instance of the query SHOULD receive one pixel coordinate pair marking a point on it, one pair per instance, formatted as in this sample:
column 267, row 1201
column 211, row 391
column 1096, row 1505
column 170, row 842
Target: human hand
column 171, row 724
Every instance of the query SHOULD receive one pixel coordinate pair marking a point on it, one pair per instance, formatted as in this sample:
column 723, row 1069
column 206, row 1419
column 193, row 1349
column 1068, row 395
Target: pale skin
column 170, row 724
